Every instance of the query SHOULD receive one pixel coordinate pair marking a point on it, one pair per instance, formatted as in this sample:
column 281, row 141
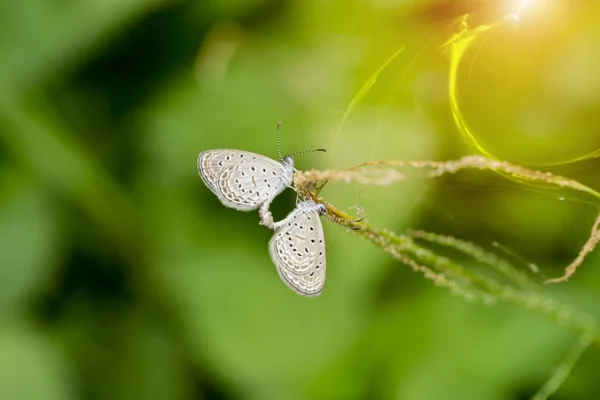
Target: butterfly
column 243, row 180
column 246, row 181
column 298, row 249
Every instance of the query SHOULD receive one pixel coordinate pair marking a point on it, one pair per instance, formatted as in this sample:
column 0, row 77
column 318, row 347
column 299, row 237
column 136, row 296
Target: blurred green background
column 123, row 277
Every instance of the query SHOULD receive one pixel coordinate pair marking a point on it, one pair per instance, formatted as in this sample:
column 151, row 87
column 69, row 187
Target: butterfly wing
column 241, row 179
column 298, row 251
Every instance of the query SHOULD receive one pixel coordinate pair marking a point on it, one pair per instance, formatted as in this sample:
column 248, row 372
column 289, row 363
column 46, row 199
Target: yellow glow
column 521, row 6
column 458, row 46
column 533, row 7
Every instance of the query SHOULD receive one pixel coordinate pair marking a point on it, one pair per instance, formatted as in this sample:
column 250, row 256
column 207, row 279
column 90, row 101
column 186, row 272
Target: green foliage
column 123, row 277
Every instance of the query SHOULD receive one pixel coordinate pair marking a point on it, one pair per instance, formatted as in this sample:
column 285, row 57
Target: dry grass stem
column 442, row 271
column 588, row 247
column 383, row 173
column 381, row 177
column 469, row 285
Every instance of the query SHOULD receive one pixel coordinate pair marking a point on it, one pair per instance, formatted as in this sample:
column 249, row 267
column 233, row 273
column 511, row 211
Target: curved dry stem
column 308, row 180
column 588, row 247
column 471, row 286
column 382, row 173
column 442, row 271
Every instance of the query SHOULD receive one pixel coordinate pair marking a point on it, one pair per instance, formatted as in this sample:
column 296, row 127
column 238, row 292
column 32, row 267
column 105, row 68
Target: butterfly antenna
column 279, row 139
column 305, row 151
column 293, row 154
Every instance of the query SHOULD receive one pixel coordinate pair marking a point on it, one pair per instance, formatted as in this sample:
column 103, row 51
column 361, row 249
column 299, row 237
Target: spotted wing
column 241, row 179
column 298, row 251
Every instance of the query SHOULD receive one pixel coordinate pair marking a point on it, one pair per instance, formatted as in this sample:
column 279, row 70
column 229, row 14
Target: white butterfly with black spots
column 245, row 181
column 298, row 249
